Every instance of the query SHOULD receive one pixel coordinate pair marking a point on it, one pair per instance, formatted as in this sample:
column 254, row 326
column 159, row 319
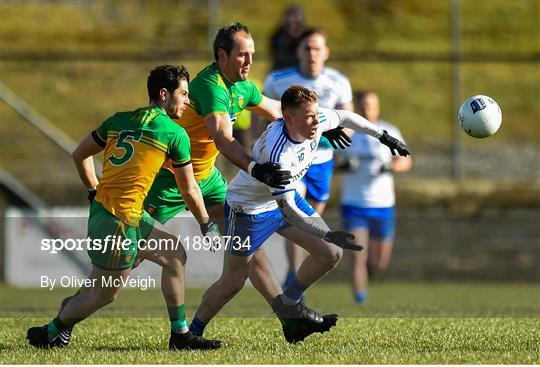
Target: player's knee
column 114, row 297
column 234, row 283
column 378, row 264
column 333, row 257
column 238, row 283
column 337, row 254
column 176, row 264
column 178, row 255
column 182, row 257
column 236, row 287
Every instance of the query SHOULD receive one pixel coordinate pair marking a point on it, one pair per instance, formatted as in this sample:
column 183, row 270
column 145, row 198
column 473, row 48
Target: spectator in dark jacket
column 283, row 41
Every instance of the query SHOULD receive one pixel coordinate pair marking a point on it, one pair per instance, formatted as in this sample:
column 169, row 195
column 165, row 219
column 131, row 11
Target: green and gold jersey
column 209, row 93
column 136, row 143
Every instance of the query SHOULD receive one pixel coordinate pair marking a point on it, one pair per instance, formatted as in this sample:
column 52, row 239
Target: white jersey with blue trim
column 367, row 187
column 248, row 195
column 333, row 89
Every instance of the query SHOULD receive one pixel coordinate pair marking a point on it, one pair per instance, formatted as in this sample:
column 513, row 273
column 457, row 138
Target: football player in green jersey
column 135, row 144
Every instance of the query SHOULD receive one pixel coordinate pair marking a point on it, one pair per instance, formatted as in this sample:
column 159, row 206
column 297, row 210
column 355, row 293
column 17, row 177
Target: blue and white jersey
column 250, row 196
column 366, row 187
column 332, row 88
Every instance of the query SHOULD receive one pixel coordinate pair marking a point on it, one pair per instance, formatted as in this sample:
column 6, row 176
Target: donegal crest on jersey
column 136, row 145
column 210, row 92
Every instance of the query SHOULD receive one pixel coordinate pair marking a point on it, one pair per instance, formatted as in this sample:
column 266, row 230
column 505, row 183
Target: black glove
column 337, row 137
column 343, row 240
column 91, row 195
column 210, row 229
column 209, row 226
column 394, row 144
column 271, row 174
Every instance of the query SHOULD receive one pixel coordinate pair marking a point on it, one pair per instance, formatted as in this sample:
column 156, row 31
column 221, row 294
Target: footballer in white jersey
column 368, row 197
column 254, row 211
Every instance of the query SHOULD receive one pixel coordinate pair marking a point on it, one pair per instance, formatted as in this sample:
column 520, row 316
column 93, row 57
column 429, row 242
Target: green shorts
column 104, row 228
column 164, row 200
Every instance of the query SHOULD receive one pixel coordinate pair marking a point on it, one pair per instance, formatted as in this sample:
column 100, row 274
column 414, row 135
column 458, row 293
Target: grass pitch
column 403, row 323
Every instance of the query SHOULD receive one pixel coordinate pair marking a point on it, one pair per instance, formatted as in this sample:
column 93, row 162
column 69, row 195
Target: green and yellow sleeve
column 180, row 149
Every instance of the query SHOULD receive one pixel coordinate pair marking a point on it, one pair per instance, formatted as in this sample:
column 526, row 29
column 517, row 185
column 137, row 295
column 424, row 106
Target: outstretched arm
column 314, row 225
column 358, row 123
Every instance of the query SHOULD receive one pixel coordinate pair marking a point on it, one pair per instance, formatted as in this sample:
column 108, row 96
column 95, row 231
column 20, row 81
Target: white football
column 480, row 116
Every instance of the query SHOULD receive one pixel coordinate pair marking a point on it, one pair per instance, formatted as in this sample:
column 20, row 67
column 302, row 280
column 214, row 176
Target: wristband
column 91, row 194
column 325, row 236
column 250, row 166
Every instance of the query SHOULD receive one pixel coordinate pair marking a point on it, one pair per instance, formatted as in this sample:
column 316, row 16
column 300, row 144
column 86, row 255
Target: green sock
column 55, row 327
column 177, row 315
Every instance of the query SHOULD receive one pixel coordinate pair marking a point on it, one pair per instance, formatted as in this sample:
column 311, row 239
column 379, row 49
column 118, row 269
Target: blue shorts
column 380, row 222
column 245, row 233
column 317, row 180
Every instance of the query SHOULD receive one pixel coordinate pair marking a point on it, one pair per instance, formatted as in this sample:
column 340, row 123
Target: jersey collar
column 226, row 81
column 284, row 129
column 307, row 77
column 159, row 109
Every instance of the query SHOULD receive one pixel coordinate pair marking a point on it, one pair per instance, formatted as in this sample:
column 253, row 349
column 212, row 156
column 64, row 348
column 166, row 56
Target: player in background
column 368, row 197
column 334, row 91
column 255, row 211
column 218, row 94
column 136, row 144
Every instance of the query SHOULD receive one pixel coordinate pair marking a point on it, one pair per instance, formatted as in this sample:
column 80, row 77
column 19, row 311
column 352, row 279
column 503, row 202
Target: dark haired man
column 136, row 144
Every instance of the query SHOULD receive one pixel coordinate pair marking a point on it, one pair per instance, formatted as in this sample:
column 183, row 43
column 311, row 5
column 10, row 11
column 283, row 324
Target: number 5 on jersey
column 124, row 147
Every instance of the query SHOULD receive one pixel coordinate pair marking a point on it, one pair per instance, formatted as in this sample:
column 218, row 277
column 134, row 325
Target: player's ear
column 326, row 53
column 287, row 116
column 163, row 93
column 222, row 54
